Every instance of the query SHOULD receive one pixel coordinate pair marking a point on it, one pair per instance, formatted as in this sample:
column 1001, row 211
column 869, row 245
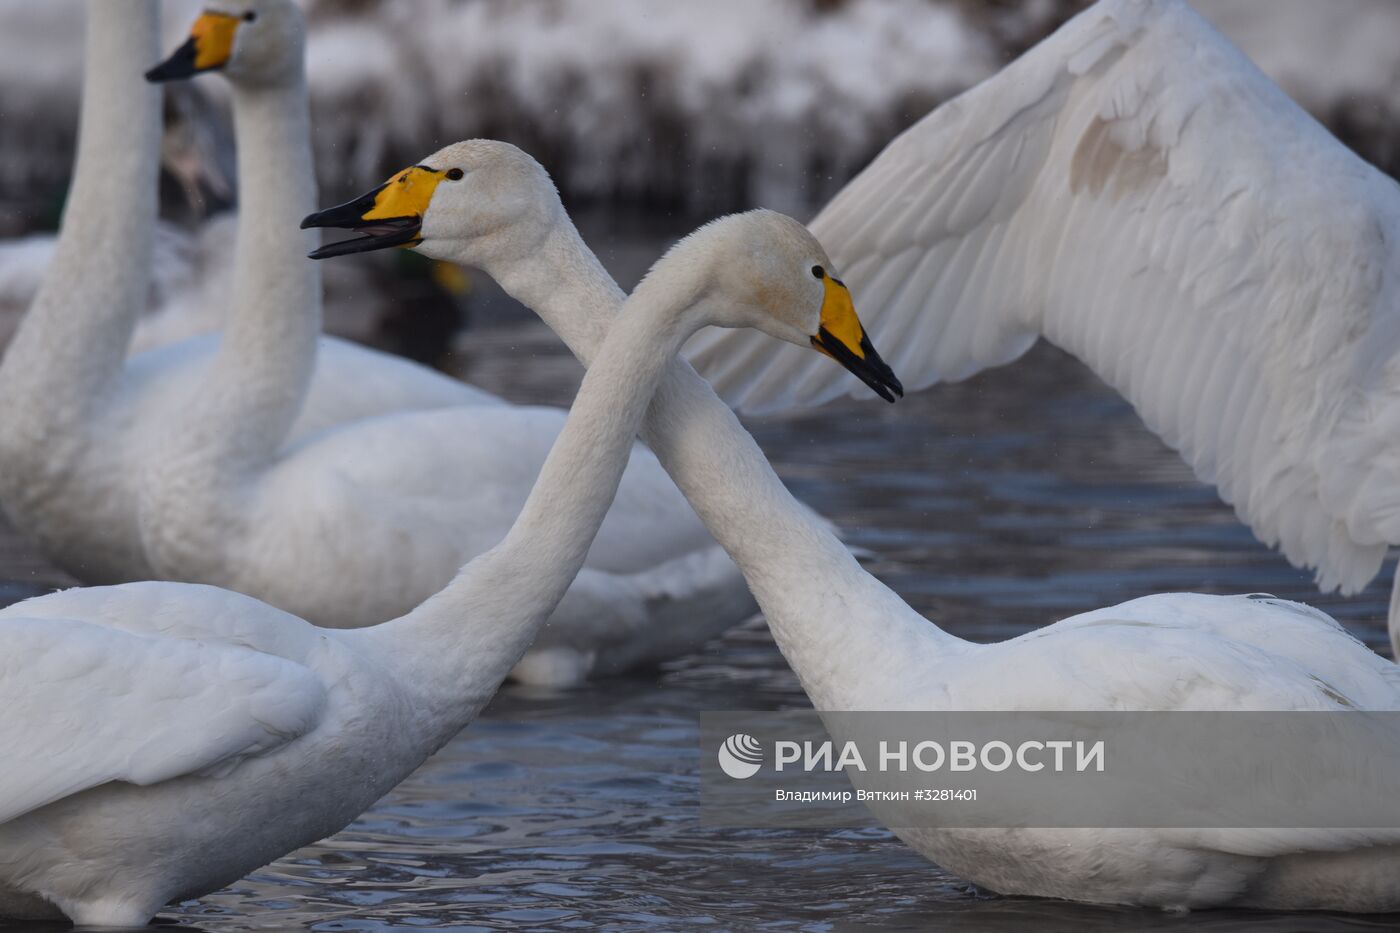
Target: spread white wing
column 1137, row 192
column 83, row 703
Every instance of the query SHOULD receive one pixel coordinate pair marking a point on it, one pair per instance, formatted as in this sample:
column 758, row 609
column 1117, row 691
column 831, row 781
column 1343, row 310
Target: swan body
column 362, row 522
column 855, row 645
column 1178, row 651
column 165, row 738
column 190, row 716
column 80, row 421
column 85, row 516
column 359, row 523
column 1135, row 191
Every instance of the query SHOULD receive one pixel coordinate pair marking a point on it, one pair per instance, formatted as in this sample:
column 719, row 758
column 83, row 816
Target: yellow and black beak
column 210, row 46
column 842, row 338
column 390, row 215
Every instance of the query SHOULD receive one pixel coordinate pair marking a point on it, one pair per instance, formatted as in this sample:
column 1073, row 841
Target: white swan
column 361, row 523
column 855, row 645
column 164, row 739
column 354, row 525
column 1135, row 191
column 79, row 421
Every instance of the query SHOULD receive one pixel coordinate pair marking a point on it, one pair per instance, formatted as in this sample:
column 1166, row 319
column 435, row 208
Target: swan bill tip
column 866, row 365
column 178, row 67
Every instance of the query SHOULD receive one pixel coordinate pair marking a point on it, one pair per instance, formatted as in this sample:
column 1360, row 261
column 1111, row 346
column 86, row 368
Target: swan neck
column 223, row 441
column 839, row 628
column 469, row 636
column 71, row 346
column 268, row 352
column 256, row 384
column 562, row 281
column 833, row 621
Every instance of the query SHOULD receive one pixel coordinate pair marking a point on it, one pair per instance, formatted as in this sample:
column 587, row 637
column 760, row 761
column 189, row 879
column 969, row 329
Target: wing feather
column 1216, row 652
column 85, row 704
column 1134, row 190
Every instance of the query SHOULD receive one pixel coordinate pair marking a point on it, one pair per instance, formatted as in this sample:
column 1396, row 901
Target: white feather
column 1134, row 190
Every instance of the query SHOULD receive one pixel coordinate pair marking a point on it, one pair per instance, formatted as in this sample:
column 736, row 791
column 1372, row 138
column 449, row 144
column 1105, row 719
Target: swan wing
column 1137, row 192
column 85, row 704
column 191, row 611
column 1191, row 652
column 353, row 382
column 438, row 487
column 1182, row 651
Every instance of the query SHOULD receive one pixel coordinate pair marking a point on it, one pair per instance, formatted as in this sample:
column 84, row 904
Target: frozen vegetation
column 709, row 104
column 701, row 106
column 693, row 108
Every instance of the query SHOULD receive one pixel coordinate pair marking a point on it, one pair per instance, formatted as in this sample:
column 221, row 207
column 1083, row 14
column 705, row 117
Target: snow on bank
column 725, row 101
column 705, row 106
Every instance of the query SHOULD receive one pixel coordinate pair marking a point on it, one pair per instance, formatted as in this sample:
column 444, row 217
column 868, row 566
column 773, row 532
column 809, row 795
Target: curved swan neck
column 831, row 619
column 557, row 280
column 459, row 645
column 260, row 376
column 72, row 344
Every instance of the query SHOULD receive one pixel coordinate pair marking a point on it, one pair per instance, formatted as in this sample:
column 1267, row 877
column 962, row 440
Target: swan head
column 482, row 202
column 766, row 271
column 254, row 42
column 476, row 202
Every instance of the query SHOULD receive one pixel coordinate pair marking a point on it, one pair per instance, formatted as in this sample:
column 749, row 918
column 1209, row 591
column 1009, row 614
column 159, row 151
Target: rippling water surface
column 995, row 506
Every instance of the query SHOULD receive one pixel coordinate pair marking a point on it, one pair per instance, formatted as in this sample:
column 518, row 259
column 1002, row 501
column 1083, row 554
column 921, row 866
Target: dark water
column 995, row 506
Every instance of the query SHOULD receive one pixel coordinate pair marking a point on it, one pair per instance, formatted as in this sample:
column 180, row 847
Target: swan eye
column 819, row 272
column 454, row 174
column 249, row 16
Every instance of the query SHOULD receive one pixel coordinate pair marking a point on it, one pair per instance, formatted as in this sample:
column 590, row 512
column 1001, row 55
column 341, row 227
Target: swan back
column 158, row 680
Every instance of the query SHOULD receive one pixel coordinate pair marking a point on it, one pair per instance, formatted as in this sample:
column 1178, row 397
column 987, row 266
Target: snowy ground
column 699, row 107
column 676, row 110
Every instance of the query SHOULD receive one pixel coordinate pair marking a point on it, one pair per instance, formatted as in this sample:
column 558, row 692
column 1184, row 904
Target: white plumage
column 359, row 523
column 80, row 422
column 855, row 645
column 367, row 504
column 164, row 739
column 182, row 681
column 1181, row 651
column 1134, row 190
